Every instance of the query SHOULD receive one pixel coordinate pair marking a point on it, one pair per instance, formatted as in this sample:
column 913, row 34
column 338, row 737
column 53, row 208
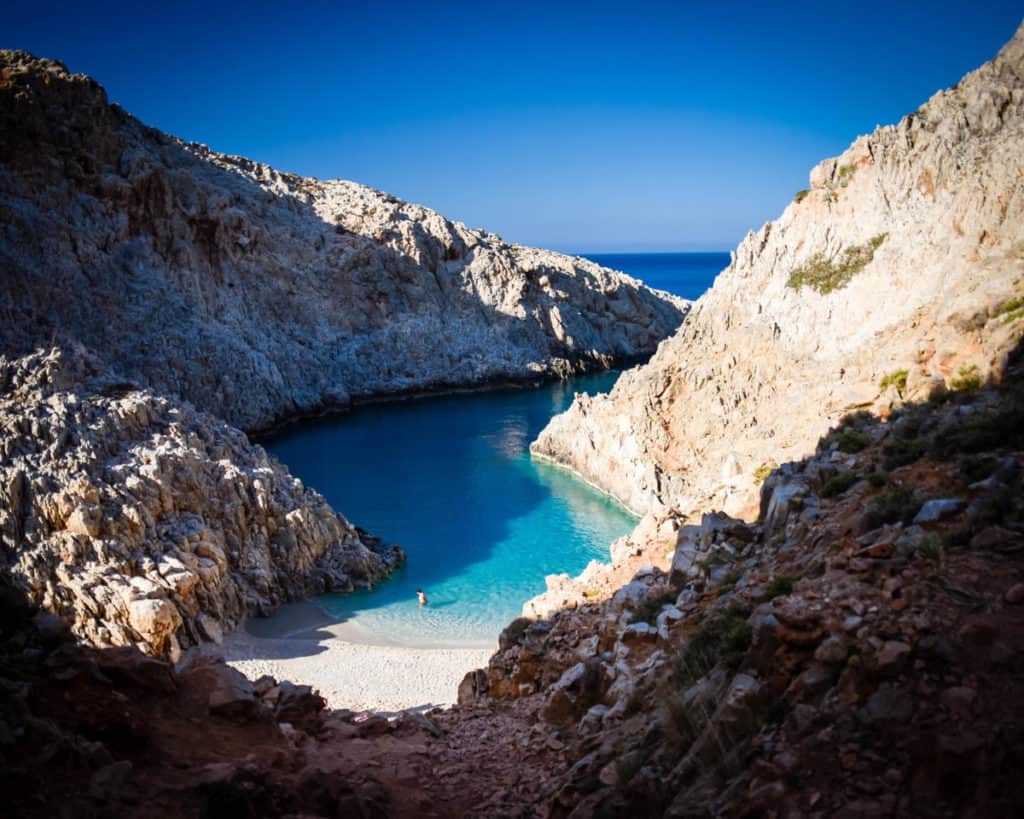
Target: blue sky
column 578, row 126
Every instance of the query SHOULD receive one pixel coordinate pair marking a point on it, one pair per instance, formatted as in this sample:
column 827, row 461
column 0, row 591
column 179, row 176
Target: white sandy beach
column 301, row 644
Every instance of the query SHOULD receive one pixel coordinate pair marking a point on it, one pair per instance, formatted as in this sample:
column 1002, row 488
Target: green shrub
column 780, row 586
column 730, row 580
column 897, row 379
column 898, row 504
column 902, row 451
column 763, row 471
column 877, row 479
column 967, row 379
column 839, row 484
column 852, row 440
column 825, row 275
column 1011, row 306
column 974, row 468
column 722, row 639
column 801, row 195
column 848, row 436
column 930, row 547
column 1003, row 428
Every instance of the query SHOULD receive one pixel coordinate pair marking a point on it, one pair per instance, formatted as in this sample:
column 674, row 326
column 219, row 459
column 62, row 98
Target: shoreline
column 302, row 644
column 437, row 390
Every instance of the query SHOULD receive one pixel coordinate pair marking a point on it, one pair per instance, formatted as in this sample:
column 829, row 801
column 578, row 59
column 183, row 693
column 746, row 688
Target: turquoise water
column 450, row 479
column 685, row 274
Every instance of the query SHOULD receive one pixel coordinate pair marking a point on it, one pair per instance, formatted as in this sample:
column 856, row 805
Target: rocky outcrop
column 855, row 652
column 897, row 272
column 141, row 521
column 256, row 294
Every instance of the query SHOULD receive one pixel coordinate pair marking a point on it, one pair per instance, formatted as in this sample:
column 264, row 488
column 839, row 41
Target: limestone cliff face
column 141, row 521
column 255, row 294
column 903, row 259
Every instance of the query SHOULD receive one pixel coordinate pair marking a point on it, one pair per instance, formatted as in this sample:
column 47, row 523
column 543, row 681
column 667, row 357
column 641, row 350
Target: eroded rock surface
column 919, row 231
column 142, row 521
column 256, row 294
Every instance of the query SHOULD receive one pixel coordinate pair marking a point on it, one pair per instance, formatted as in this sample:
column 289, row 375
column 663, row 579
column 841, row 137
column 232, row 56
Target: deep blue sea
column 684, row 274
column 451, row 480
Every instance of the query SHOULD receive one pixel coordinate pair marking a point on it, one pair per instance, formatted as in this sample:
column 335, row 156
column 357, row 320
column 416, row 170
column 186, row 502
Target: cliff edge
column 256, row 294
column 896, row 273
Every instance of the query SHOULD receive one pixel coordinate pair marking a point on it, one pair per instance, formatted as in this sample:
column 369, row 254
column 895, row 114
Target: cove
column 451, row 480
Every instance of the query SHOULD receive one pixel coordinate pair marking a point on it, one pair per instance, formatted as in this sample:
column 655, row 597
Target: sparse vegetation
column 722, row 639
column 763, row 471
column 1012, row 309
column 877, row 479
column 901, row 451
column 801, row 195
column 839, row 484
column 848, row 436
column 897, row 379
column 648, row 611
column 826, row 274
column 965, row 598
column 852, row 440
column 716, row 558
column 986, row 430
column 930, row 548
column 730, row 580
column 974, row 468
column 780, row 586
column 967, row 379
column 896, row 505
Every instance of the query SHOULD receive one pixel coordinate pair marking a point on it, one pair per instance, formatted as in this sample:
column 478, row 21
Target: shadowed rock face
column 255, row 294
column 141, row 521
column 918, row 229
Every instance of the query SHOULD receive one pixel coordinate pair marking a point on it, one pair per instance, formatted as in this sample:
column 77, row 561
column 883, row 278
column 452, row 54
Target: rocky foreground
column 256, row 294
column 141, row 521
column 858, row 651
column 900, row 268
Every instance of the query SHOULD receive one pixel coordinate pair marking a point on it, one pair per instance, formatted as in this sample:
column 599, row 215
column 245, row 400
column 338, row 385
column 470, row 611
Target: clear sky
column 578, row 126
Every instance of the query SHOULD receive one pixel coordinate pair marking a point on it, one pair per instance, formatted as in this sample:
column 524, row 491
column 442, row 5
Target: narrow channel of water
column 451, row 480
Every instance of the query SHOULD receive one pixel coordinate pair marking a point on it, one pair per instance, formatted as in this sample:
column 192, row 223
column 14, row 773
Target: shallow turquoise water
column 451, row 480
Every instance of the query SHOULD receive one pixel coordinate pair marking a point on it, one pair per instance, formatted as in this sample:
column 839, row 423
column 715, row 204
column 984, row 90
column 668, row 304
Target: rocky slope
column 256, row 294
column 858, row 652
column 141, row 521
column 898, row 270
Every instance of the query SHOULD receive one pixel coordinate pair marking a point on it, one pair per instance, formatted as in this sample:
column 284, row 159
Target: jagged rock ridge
column 909, row 248
column 256, row 294
column 141, row 521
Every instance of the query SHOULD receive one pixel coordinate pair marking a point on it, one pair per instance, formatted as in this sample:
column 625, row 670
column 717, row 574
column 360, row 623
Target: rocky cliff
column 897, row 272
column 256, row 294
column 856, row 653
column 141, row 521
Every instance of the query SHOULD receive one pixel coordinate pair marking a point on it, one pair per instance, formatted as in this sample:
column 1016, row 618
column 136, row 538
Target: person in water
column 421, row 596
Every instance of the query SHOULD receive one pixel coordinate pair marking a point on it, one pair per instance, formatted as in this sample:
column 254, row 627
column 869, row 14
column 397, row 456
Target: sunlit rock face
column 255, row 294
column 902, row 259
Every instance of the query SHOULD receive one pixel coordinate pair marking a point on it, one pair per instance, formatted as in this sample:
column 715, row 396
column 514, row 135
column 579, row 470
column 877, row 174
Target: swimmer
column 421, row 596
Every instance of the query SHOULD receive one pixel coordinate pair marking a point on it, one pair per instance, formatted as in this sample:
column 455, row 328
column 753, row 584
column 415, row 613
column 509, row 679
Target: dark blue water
column 684, row 274
column 451, row 480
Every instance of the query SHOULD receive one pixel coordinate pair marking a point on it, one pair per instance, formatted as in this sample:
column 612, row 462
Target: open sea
column 684, row 274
